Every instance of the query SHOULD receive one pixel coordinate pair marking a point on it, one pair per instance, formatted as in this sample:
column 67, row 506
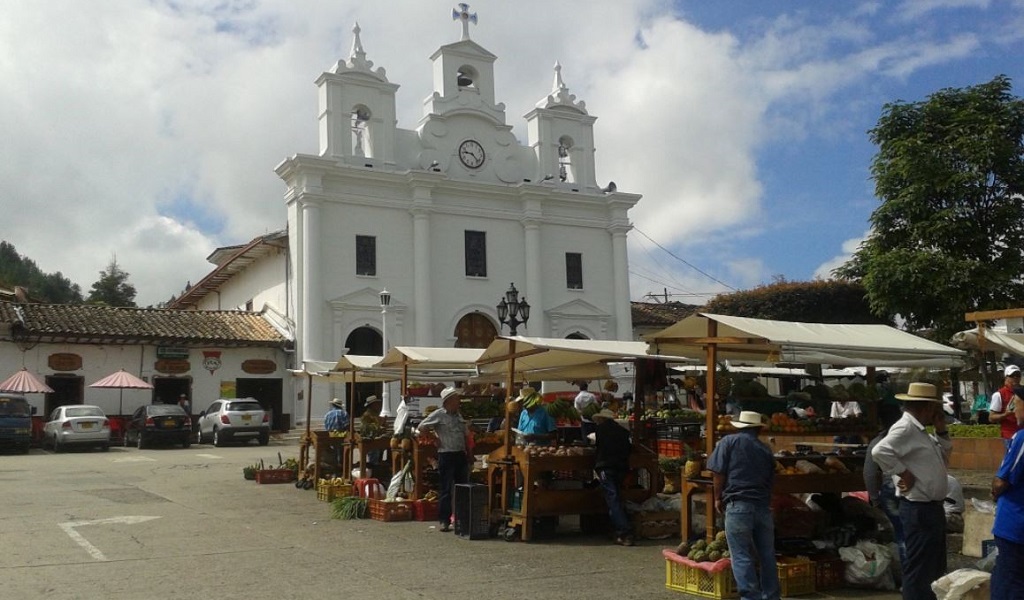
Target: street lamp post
column 385, row 396
column 512, row 311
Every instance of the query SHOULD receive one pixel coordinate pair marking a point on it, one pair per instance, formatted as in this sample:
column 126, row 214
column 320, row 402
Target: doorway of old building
column 268, row 392
column 364, row 341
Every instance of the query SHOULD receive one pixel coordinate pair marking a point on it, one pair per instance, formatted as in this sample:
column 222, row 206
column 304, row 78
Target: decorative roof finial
column 559, row 85
column 462, row 14
column 357, row 54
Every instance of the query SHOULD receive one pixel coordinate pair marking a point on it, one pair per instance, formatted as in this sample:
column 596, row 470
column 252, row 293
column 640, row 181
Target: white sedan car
column 77, row 425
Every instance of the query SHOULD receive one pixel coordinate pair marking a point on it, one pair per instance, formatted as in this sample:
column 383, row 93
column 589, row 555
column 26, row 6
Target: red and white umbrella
column 24, row 382
column 121, row 380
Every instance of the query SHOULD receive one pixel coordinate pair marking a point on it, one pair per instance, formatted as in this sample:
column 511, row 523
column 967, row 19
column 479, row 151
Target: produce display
column 683, row 415
column 810, row 464
column 702, row 551
column 542, row 451
column 562, row 410
column 781, row 422
column 973, row 431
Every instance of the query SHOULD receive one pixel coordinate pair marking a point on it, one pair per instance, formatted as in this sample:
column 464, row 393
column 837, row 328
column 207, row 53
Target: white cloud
column 850, row 246
column 151, row 130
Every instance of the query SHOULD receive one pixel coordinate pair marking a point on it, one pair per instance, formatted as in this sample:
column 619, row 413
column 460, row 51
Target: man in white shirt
column 917, row 463
column 586, row 404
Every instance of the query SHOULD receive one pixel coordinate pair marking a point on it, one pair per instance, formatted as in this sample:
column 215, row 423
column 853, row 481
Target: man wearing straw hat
column 917, row 463
column 743, row 471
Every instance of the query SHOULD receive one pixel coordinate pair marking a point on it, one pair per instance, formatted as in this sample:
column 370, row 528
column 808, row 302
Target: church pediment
column 365, row 298
column 467, row 48
column 576, row 308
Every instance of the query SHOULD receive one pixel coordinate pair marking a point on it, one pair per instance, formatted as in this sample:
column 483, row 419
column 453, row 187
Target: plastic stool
column 365, row 486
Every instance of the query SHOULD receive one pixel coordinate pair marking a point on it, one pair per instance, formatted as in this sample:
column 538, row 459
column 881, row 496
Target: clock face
column 471, row 153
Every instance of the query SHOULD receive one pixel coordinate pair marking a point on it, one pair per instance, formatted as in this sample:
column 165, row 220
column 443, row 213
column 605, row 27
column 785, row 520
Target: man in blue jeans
column 452, row 458
column 743, row 469
column 611, row 463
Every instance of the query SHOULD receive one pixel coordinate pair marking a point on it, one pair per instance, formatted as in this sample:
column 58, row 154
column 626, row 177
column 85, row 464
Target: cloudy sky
column 149, row 130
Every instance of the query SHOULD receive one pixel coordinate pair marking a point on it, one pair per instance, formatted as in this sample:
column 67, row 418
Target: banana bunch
column 334, row 481
column 562, row 409
column 430, row 496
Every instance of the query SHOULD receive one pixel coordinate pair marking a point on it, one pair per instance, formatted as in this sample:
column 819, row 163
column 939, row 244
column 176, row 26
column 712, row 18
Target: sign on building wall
column 211, row 360
column 64, row 361
column 171, row 352
column 172, row 366
column 259, row 366
column 227, row 389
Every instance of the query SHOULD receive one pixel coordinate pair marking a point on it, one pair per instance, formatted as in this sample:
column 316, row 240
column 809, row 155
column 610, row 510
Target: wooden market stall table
column 422, row 454
column 316, row 446
column 541, row 498
column 784, row 484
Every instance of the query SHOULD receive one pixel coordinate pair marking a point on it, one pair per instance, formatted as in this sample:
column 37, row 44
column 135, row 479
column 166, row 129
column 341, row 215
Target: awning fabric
column 971, row 339
column 539, row 359
column 746, row 339
column 432, row 358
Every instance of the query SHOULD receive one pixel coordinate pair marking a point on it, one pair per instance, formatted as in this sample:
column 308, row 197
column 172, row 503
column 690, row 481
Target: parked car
column 158, row 423
column 231, row 419
column 77, row 425
column 15, row 422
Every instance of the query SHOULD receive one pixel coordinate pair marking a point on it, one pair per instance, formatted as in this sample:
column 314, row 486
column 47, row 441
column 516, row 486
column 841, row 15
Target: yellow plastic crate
column 691, row 580
column 796, row 576
column 327, row 492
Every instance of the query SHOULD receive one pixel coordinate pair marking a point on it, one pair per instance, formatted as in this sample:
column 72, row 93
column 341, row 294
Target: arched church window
column 466, row 77
column 565, row 159
column 576, row 335
column 360, row 129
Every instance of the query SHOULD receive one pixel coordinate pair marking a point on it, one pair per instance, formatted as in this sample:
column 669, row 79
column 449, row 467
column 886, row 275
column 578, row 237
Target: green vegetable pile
column 973, row 431
column 349, row 507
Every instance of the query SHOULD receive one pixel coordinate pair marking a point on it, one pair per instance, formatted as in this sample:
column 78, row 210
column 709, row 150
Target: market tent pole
column 506, row 475
column 710, row 405
column 309, row 401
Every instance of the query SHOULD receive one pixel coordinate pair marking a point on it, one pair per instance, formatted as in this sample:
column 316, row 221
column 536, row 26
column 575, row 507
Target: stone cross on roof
column 462, row 14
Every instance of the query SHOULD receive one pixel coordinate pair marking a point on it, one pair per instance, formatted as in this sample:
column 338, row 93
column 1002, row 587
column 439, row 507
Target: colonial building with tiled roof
column 203, row 354
column 649, row 317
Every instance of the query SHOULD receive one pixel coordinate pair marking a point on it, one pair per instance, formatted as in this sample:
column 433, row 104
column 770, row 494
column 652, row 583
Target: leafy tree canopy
column 804, row 301
column 948, row 237
column 112, row 288
column 52, row 288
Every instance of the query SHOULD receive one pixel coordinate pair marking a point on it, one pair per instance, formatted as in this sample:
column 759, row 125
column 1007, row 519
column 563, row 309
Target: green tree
column 112, row 288
column 18, row 270
column 948, row 237
column 806, row 301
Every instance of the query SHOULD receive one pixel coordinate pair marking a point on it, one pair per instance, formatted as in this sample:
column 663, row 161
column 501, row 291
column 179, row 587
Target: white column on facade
column 533, row 290
column 422, row 293
column 620, row 279
column 312, row 282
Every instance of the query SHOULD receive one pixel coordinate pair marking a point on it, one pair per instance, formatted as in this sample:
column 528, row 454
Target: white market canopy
column 973, row 339
column 746, row 339
column 775, row 371
column 538, row 359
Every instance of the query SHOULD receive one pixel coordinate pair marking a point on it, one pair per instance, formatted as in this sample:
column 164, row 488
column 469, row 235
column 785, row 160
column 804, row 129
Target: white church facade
column 444, row 216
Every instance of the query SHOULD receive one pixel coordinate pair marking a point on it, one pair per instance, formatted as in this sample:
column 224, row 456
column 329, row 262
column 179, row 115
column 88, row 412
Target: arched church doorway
column 474, row 331
column 364, row 341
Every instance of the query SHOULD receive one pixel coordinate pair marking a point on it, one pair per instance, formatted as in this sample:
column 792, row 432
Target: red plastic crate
column 670, row 448
column 828, row 573
column 381, row 510
column 425, row 510
column 275, row 476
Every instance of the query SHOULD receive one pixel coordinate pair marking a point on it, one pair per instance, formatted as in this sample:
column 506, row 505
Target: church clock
column 471, row 153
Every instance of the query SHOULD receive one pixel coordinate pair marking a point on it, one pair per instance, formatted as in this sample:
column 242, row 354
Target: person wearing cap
column 534, row 420
column 452, row 460
column 743, row 472
column 1002, row 409
column 917, row 463
column 611, row 463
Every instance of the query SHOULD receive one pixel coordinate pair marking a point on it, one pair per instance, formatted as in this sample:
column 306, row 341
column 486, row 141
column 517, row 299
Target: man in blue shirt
column 1008, row 529
column 535, row 420
column 336, row 420
column 743, row 470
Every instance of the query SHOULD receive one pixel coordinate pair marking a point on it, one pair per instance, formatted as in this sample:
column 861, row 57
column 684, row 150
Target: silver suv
column 230, row 419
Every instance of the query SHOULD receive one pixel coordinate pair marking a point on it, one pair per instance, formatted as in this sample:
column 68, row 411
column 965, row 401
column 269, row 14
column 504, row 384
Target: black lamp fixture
column 512, row 311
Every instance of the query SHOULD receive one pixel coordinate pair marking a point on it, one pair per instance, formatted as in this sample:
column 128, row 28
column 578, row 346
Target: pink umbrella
column 24, row 382
column 121, row 380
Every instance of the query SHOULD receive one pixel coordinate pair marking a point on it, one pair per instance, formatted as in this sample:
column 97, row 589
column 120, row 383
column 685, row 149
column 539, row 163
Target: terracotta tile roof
column 660, row 314
column 85, row 323
column 230, row 261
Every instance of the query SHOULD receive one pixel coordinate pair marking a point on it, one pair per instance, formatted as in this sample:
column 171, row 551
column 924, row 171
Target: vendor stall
column 528, row 483
column 720, row 337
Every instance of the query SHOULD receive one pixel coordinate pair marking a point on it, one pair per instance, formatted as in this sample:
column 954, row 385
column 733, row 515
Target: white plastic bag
column 868, row 565
column 984, row 506
column 959, row 585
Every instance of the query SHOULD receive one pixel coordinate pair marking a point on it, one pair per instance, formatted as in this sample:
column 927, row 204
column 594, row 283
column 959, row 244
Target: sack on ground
column 868, row 565
column 962, row 584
